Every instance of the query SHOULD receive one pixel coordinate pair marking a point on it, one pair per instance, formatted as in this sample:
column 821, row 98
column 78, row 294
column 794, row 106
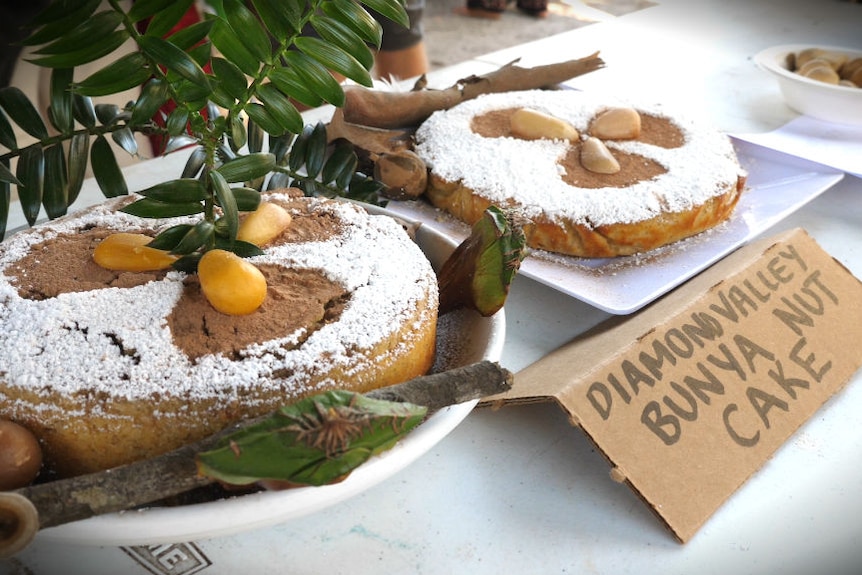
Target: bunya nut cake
column 593, row 176
column 108, row 367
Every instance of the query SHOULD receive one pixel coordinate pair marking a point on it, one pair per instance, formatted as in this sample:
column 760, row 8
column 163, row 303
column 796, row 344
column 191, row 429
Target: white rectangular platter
column 778, row 185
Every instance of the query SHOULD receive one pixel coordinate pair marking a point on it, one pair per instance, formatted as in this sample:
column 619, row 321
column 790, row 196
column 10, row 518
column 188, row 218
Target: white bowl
column 464, row 337
column 840, row 104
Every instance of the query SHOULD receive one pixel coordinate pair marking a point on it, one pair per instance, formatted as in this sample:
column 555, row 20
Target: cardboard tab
column 690, row 396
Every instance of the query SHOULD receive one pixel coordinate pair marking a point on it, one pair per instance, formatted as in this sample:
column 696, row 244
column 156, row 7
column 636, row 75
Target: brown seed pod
column 20, row 456
column 403, row 172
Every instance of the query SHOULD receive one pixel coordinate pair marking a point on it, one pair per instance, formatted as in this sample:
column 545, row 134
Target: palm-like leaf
column 227, row 105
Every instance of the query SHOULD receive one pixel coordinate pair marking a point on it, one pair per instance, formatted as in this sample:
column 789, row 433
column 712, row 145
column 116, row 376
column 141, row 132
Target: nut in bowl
column 829, row 97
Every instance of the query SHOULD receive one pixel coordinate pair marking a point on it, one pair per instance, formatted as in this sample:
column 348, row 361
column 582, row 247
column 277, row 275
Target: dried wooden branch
column 379, row 109
column 24, row 511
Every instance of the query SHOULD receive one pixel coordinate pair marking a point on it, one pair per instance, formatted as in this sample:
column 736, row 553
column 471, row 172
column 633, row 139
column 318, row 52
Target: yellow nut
column 616, row 124
column 264, row 224
column 596, row 157
column 232, row 285
column 529, row 124
column 129, row 253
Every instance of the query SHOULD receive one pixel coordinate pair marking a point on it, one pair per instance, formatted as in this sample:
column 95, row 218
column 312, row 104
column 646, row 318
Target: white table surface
column 519, row 490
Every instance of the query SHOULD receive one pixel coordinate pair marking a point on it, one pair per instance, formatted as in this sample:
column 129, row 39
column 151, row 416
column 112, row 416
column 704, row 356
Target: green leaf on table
column 106, row 170
column 30, row 171
column 21, row 111
column 55, row 192
column 315, row 441
column 477, row 275
column 91, row 51
column 125, row 73
column 334, row 59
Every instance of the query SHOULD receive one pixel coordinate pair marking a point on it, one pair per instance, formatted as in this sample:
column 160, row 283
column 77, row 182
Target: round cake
column 674, row 179
column 109, row 367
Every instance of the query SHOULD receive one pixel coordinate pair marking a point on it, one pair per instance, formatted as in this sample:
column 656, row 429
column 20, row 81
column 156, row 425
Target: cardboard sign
column 690, row 396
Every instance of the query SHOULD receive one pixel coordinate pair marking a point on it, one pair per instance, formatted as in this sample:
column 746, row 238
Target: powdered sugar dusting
column 116, row 341
column 509, row 170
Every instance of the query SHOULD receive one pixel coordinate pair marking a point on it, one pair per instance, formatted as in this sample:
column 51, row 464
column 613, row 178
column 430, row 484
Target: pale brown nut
column 596, row 157
column 835, row 59
column 822, row 73
column 813, row 63
column 850, row 68
column 804, row 56
column 530, row 124
column 616, row 124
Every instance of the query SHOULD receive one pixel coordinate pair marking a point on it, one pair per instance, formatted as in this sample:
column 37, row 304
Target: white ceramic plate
column 778, row 185
column 464, row 337
column 840, row 104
